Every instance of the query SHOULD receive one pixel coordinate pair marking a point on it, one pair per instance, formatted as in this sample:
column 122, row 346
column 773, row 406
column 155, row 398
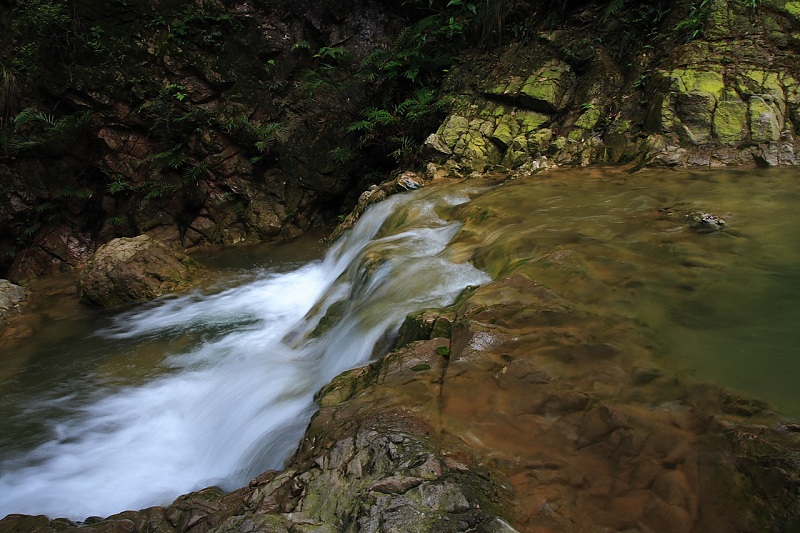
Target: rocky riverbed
column 538, row 402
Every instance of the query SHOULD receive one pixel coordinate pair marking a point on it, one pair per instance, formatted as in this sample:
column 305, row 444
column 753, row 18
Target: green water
column 722, row 307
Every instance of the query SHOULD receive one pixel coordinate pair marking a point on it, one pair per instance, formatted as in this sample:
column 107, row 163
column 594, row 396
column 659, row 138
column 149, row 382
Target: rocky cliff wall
column 221, row 122
column 584, row 93
column 207, row 122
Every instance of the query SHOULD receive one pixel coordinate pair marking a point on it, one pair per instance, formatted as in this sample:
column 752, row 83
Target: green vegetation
column 33, row 128
column 48, row 30
column 205, row 23
column 694, row 24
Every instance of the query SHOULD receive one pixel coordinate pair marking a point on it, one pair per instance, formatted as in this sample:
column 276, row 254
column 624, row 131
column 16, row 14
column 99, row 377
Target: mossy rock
column 765, row 121
column 730, row 122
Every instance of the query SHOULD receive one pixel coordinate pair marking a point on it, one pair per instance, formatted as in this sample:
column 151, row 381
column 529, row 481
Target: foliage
column 9, row 96
column 33, row 128
column 47, row 29
column 95, row 43
column 695, row 23
column 205, row 23
column 397, row 129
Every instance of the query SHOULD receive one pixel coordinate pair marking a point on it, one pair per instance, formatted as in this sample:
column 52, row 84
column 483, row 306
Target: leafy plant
column 47, row 27
column 206, row 24
column 10, row 92
column 173, row 158
column 119, row 184
column 95, row 43
column 613, row 7
column 192, row 173
column 397, row 130
column 266, row 134
column 301, row 45
column 75, row 192
column 694, row 24
column 342, row 154
column 177, row 91
column 333, row 54
column 35, row 128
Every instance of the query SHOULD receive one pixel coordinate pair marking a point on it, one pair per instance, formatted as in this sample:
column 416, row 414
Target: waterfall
column 235, row 400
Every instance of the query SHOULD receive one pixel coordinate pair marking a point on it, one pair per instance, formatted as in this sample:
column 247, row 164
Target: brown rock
column 133, row 270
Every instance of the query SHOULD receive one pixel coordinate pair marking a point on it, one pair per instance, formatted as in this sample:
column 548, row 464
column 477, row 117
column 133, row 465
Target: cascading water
column 236, row 398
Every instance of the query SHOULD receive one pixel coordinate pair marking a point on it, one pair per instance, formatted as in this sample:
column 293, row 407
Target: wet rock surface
column 135, row 269
column 534, row 403
column 12, row 298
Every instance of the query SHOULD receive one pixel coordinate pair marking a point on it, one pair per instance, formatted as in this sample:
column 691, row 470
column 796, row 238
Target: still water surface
column 105, row 411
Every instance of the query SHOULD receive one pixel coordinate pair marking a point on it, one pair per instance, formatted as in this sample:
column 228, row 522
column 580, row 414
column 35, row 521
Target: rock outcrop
column 134, row 270
column 195, row 124
column 730, row 98
column 12, row 297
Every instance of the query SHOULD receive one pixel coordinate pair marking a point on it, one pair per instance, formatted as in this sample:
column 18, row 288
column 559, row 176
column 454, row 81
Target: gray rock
column 12, row 297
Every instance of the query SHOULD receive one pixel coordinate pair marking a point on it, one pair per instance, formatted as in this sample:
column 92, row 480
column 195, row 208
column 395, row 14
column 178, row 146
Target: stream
column 124, row 409
column 213, row 388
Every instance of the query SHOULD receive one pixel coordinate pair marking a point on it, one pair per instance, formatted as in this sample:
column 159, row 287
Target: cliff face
column 194, row 123
column 640, row 87
column 220, row 122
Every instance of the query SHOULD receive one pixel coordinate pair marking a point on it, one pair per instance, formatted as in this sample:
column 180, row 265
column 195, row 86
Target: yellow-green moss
column 730, row 121
column 764, row 123
column 793, row 8
column 703, row 81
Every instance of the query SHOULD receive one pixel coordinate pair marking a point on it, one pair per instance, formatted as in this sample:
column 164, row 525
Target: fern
column 379, row 117
column 154, row 194
column 34, row 128
column 192, row 173
column 172, row 158
column 613, row 7
column 32, row 115
column 302, row 44
column 342, row 154
column 119, row 184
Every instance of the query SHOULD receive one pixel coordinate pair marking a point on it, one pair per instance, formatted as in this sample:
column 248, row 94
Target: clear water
column 106, row 411
column 722, row 307
column 132, row 409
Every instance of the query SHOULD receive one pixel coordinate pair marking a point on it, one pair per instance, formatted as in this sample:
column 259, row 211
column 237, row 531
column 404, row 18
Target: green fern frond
column 192, row 173
column 613, row 7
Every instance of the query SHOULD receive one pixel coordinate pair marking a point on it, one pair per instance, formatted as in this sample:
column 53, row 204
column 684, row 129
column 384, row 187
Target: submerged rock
column 707, row 223
column 133, row 270
column 697, row 220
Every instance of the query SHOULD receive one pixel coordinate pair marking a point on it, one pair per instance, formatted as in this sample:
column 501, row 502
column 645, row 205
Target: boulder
column 133, row 270
column 11, row 298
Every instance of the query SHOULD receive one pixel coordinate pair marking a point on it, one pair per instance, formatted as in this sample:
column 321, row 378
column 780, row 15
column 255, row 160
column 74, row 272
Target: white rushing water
column 237, row 402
